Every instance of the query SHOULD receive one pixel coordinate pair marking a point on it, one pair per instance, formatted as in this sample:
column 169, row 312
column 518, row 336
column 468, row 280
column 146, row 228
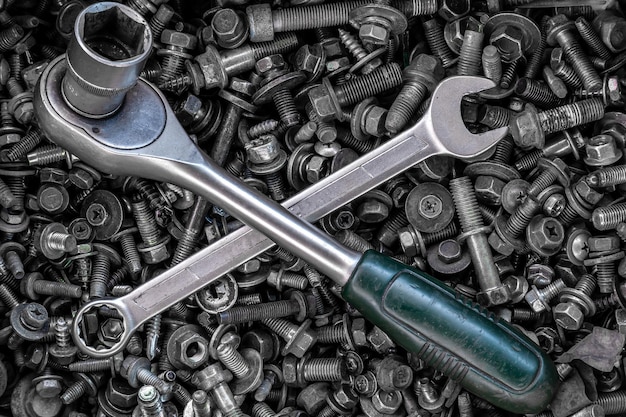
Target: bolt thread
column 433, row 32
column 178, row 83
column 413, row 8
column 90, row 365
column 579, row 59
column 529, row 161
column 309, row 17
column 471, row 53
column 58, row 289
column 381, row 79
column 282, row 44
column 74, row 392
column 520, row 219
column 552, row 289
column 405, row 105
column 14, row 87
column 134, row 345
column 258, row 312
column 353, row 45
column 9, row 37
column 323, row 369
column 145, row 222
column 61, row 241
column 360, row 146
column 62, row 335
column 296, row 281
column 524, row 315
column 612, row 402
column 319, row 302
column 466, row 204
column 504, row 151
column 46, row 155
column 568, row 75
column 6, row 118
column 327, row 412
column 49, row 52
column 326, row 131
column 181, row 394
column 609, row 176
column 543, row 181
column 281, row 327
column 496, row 117
column 568, row 216
column 450, row 231
column 233, row 360
column 586, row 284
column 160, row 19
column 286, row 107
column 150, row 402
column 353, row 241
column 148, row 191
column 276, row 186
column 388, row 233
column 571, row 115
column 608, row 217
column 13, row 260
column 266, row 127
column 283, row 254
column 153, row 330
column 100, row 270
column 179, row 310
column 536, row 92
column 535, row 62
column 249, row 299
column 261, row 409
column 606, row 302
column 185, row 247
column 331, row 335
column 509, row 73
column 148, row 378
column 172, row 66
column 591, row 38
column 605, row 275
column 489, row 213
column 25, row 145
column 235, row 412
column 131, row 255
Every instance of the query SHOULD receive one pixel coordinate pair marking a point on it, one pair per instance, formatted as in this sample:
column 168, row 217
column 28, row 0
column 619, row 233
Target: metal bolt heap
column 282, row 98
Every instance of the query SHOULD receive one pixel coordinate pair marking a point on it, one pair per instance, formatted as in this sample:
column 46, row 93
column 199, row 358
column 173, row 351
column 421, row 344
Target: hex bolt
column 539, row 299
column 153, row 249
column 261, row 409
column 568, row 75
column 149, row 402
column 215, row 379
column 176, row 51
column 530, row 127
column 238, row 98
column 421, row 76
column 414, row 242
column 610, row 93
column 591, row 38
column 137, row 371
column 269, row 379
column 433, row 31
column 492, row 63
column 276, row 86
column 494, row 116
column 246, row 366
column 53, row 241
column 34, row 286
column 557, row 85
column 509, row 74
column 328, row 100
column 48, row 155
column 607, row 176
column 265, row 23
column 604, row 251
column 160, row 20
column 129, row 249
column 429, row 399
column 299, row 305
column 471, row 53
column 323, row 369
column 229, row 28
column 575, row 303
column 279, row 279
column 299, row 338
column 568, row 142
column 195, row 221
column 266, row 158
column 85, row 384
column 493, row 292
column 559, row 30
column 388, row 232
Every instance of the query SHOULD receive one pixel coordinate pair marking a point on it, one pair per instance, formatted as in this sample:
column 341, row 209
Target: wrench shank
column 322, row 198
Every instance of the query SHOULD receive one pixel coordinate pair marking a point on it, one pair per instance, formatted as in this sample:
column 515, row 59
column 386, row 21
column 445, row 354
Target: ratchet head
column 444, row 121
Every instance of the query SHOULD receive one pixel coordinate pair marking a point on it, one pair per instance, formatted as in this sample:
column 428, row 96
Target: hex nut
column 187, row 349
column 489, row 189
column 312, row 398
column 179, row 39
column 509, row 43
column 602, row 150
column 603, row 243
column 568, row 316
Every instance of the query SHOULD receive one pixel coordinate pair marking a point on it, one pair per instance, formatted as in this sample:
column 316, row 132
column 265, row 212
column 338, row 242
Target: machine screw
column 559, row 30
column 493, row 292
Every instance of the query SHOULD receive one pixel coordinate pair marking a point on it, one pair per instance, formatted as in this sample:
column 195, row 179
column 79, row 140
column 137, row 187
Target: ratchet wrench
column 143, row 138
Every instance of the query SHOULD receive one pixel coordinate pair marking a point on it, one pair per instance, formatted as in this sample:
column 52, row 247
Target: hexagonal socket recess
column 108, row 50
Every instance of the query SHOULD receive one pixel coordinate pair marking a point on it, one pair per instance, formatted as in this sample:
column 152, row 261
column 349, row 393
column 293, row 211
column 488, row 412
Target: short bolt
column 53, row 241
column 539, row 299
column 492, row 63
column 85, row 384
column 575, row 304
column 299, row 338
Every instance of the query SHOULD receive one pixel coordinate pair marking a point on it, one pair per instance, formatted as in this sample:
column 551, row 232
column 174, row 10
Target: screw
column 575, row 303
column 536, row 92
column 591, row 38
column 420, row 78
column 433, row 31
column 153, row 330
column 298, row 304
column 366, row 61
column 85, row 384
column 112, row 363
column 559, row 30
column 137, row 371
column 269, row 379
column 323, row 369
column 53, row 241
column 265, row 22
column 493, row 292
column 539, row 299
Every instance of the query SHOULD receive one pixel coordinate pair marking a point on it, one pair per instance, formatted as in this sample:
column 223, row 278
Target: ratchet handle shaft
column 485, row 355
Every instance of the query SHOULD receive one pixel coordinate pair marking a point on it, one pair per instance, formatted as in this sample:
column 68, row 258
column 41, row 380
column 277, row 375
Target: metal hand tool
column 142, row 137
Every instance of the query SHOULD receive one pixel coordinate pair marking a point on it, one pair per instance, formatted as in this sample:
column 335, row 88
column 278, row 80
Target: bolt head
column 302, row 341
column 494, row 296
column 260, row 21
column 613, row 91
column 427, row 68
column 380, row 341
column 49, row 387
column 545, row 235
column 509, row 42
column 452, row 10
column 359, row 332
column 243, row 87
column 179, row 39
column 187, row 109
column 346, row 397
column 274, row 62
column 547, row 338
column 534, row 301
column 517, row 286
column 24, row 112
column 555, row 25
column 333, row 47
column 454, row 31
column 210, row 376
column 408, row 244
column 602, row 150
column 210, row 65
column 554, row 205
column 322, row 103
column 313, row 397
column 111, row 331
column 290, row 374
column 316, row 169
column 499, row 245
column 603, row 243
column 587, row 193
column 263, row 150
column 309, row 58
column 489, row 189
column 387, row 402
column 568, row 316
column 526, row 129
column 611, row 29
column 121, row 394
column 226, row 23
column 187, row 349
column 373, row 34
column 375, row 121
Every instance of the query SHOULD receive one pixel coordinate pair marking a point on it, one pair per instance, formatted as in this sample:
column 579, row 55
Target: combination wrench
column 142, row 137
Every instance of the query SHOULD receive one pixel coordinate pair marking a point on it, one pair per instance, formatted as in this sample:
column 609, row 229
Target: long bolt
column 256, row 312
column 233, row 360
column 433, row 32
column 591, row 38
column 100, row 271
column 471, row 222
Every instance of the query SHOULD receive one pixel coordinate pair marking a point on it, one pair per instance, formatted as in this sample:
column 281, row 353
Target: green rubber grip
column 484, row 354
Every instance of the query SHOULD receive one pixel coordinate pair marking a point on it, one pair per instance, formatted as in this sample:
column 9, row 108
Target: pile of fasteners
column 281, row 96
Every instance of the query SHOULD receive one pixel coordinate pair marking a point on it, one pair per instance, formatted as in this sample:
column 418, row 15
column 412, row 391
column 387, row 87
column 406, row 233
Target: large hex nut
column 187, row 349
